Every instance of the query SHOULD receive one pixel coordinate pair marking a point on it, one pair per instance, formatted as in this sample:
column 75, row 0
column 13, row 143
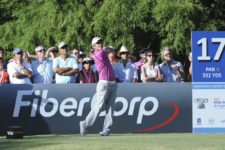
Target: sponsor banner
column 208, row 87
column 57, row 109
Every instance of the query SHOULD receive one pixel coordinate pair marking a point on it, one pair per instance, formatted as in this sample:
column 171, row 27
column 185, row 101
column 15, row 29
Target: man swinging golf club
column 105, row 90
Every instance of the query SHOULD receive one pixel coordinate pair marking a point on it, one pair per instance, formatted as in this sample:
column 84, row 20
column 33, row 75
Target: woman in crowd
column 150, row 71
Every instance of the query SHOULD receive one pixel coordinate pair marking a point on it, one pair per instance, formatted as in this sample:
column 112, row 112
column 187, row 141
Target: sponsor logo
column 219, row 103
column 49, row 106
column 199, row 121
column 211, row 121
column 201, row 102
column 45, row 106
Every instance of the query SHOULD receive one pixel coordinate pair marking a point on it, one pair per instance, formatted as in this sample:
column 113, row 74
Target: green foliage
column 136, row 24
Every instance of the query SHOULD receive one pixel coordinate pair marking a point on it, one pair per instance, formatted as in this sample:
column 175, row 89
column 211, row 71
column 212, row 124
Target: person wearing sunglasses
column 150, row 71
column 42, row 67
column 171, row 69
column 65, row 66
column 19, row 71
column 125, row 70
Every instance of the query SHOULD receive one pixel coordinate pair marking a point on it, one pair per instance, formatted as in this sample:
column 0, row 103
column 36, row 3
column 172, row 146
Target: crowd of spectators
column 61, row 66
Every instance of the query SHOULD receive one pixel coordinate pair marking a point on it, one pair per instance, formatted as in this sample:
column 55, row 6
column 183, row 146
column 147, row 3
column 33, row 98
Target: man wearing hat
column 105, row 90
column 42, row 67
column 19, row 71
column 125, row 69
column 65, row 66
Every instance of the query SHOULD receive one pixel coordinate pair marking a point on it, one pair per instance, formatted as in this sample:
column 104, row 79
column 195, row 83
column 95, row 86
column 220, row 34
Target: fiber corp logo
column 49, row 106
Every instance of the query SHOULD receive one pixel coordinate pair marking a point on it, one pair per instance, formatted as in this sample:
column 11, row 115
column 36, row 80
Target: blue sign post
column 208, row 87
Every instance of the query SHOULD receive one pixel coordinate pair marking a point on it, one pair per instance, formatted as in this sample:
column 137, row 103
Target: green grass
column 117, row 142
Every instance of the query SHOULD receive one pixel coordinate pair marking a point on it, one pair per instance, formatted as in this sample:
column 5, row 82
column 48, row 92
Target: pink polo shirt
column 138, row 64
column 103, row 65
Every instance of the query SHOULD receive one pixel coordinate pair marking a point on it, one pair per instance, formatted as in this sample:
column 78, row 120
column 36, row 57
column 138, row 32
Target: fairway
column 117, row 142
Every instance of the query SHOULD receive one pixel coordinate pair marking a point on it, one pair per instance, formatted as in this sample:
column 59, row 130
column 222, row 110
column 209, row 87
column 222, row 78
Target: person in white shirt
column 150, row 71
column 65, row 66
column 19, row 71
column 42, row 67
column 125, row 70
column 172, row 70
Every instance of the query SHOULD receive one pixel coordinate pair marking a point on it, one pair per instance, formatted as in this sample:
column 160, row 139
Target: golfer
column 105, row 90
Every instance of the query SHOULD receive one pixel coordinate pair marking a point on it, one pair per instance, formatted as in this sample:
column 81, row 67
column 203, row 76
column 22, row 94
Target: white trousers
column 105, row 97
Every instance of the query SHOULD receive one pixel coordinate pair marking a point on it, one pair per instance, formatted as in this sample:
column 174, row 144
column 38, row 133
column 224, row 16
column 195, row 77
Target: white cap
column 61, row 44
column 95, row 40
column 123, row 49
column 86, row 59
column 39, row 48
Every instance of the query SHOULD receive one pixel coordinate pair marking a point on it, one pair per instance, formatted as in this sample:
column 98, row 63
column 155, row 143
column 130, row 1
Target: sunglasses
column 76, row 53
column 20, row 53
column 64, row 47
column 99, row 42
column 87, row 62
column 169, row 54
column 122, row 53
column 41, row 51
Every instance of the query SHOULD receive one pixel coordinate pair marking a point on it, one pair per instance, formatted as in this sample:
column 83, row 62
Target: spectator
column 142, row 61
column 172, row 70
column 125, row 70
column 4, row 76
column 150, row 71
column 82, row 55
column 87, row 75
column 112, row 57
column 51, row 53
column 19, row 71
column 26, row 57
column 2, row 55
column 75, row 53
column 42, row 67
column 65, row 66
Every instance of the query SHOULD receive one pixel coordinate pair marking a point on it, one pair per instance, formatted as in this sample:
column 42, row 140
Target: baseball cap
column 87, row 60
column 39, row 48
column 95, row 40
column 62, row 44
column 17, row 50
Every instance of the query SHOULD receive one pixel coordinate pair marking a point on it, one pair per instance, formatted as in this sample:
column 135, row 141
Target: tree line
column 137, row 24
